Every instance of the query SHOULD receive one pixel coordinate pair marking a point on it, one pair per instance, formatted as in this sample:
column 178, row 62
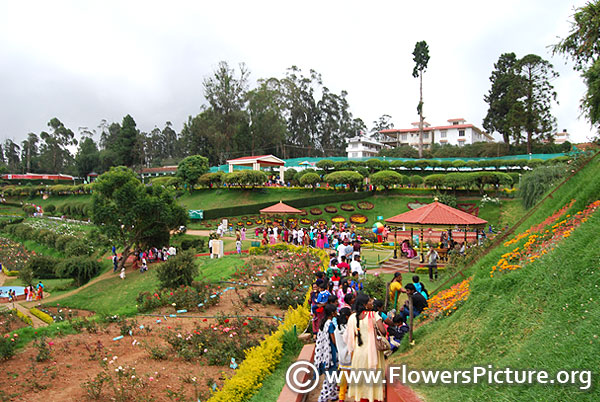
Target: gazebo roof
column 437, row 213
column 280, row 208
column 263, row 160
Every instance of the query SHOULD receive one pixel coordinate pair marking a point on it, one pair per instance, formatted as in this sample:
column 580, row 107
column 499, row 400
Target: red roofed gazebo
column 280, row 209
column 437, row 215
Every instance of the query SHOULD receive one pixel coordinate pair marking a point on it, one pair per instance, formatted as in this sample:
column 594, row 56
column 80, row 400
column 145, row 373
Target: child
column 313, row 307
column 326, row 353
column 344, row 290
column 356, row 283
column 344, row 355
column 122, row 274
column 396, row 332
column 420, row 287
column 335, row 280
column 238, row 246
column 322, row 299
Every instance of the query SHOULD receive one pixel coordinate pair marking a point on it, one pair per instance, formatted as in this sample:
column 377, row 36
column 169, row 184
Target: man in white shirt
column 295, row 236
column 341, row 249
column 300, row 237
column 356, row 267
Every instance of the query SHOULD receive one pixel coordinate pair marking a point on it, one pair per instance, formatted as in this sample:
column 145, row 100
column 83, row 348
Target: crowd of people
column 141, row 258
column 353, row 331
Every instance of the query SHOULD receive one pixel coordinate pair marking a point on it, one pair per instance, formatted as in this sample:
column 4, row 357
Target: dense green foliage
column 386, row 179
column 133, row 214
column 191, row 168
column 344, row 177
column 177, row 271
column 535, row 183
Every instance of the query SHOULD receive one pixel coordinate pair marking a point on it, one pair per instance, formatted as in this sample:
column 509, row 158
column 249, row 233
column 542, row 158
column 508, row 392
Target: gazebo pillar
column 230, row 168
column 281, row 174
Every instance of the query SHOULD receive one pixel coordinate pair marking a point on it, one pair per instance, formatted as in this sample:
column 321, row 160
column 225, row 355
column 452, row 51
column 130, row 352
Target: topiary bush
column 42, row 266
column 80, row 269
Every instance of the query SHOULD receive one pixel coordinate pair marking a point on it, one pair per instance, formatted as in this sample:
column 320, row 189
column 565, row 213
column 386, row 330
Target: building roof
column 437, row 213
column 458, row 119
column 161, row 169
column 264, row 160
column 281, row 209
column 37, row 176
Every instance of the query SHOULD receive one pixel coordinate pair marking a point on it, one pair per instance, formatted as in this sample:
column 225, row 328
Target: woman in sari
column 406, row 249
column 360, row 338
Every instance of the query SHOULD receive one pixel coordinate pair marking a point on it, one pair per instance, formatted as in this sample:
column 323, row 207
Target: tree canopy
column 421, row 58
column 133, row 214
column 191, row 168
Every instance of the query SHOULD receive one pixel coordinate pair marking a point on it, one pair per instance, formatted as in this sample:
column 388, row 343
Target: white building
column 562, row 137
column 363, row 147
column 456, row 132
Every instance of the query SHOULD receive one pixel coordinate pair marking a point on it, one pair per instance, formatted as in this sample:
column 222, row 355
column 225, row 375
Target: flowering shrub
column 199, row 296
column 447, row 301
column 217, row 343
column 41, row 315
column 486, row 199
column 13, row 255
column 538, row 244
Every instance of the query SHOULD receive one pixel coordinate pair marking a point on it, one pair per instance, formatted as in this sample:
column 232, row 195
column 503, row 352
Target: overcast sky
column 83, row 61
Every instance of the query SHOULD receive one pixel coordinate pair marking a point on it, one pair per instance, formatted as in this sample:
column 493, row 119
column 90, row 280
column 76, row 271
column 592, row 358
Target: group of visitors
column 142, row 258
column 353, row 332
column 320, row 236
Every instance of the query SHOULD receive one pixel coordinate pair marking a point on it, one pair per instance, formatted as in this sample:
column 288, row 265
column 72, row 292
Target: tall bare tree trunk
column 421, row 114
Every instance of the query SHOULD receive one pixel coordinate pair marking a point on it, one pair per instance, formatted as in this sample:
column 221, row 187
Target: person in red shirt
column 343, row 267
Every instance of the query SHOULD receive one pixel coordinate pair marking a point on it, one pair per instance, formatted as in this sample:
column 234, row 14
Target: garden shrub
column 386, row 179
column 76, row 248
column 535, row 183
column 61, row 242
column 177, row 271
column 42, row 266
column 374, row 286
column 80, row 269
column 50, row 208
column 8, row 346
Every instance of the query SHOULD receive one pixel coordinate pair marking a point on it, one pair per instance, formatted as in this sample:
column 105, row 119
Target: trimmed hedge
column 9, row 273
column 25, row 318
column 41, row 315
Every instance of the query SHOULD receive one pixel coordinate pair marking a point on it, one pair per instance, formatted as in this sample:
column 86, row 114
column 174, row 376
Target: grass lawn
column 113, row 295
column 57, row 200
column 209, row 199
column 217, row 269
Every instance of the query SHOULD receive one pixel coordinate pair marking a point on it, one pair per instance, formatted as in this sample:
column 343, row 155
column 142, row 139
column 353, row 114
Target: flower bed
column 359, row 219
column 365, row 205
column 338, row 219
column 41, row 315
column 347, row 207
column 199, row 296
column 447, row 301
column 538, row 244
column 13, row 256
column 316, row 211
column 330, row 209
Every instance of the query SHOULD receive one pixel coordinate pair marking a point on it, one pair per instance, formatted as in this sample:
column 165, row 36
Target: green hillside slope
column 545, row 316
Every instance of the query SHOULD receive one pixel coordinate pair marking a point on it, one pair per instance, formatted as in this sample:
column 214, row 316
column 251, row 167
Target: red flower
column 205, row 320
column 245, row 323
column 226, row 320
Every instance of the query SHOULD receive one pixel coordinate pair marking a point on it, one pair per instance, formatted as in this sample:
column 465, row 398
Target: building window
column 461, row 133
column 403, row 137
column 425, row 136
column 354, row 154
column 443, row 133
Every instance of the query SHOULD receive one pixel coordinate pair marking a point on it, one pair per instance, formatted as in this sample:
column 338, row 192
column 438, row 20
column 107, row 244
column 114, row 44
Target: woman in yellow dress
column 360, row 339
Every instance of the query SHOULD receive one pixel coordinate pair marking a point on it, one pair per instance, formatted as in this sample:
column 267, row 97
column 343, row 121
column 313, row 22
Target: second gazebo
column 436, row 215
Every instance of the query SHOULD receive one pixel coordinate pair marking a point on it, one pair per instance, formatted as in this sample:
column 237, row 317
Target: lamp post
column 395, row 243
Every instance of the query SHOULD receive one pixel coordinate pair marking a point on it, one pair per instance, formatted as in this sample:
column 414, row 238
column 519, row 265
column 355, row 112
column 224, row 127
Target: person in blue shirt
column 356, row 283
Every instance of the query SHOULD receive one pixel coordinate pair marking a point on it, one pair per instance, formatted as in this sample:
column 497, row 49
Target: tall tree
column 169, row 141
column 268, row 127
column 11, row 155
column 383, row 123
column 582, row 45
column 536, row 75
column 128, row 153
column 191, row 168
column 55, row 153
column 226, row 95
column 29, row 151
column 503, row 99
column 87, row 159
column 421, row 58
